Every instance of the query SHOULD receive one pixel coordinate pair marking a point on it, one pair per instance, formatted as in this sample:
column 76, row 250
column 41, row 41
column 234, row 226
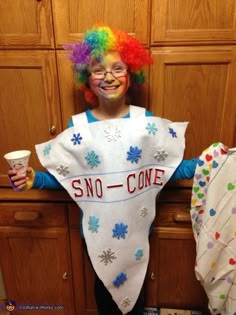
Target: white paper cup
column 18, row 160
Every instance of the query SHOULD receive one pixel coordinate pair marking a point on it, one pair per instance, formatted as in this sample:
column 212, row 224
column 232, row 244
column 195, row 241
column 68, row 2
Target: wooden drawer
column 32, row 214
column 166, row 215
column 173, row 215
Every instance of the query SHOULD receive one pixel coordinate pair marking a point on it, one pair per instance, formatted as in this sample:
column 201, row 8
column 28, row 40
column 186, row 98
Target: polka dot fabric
column 213, row 215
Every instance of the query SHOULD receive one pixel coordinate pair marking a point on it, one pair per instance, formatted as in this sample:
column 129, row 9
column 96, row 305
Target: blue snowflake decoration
column 120, row 230
column 92, row 159
column 93, row 224
column 47, row 149
column 172, row 132
column 76, row 138
column 134, row 154
column 151, row 128
column 138, row 254
column 120, row 279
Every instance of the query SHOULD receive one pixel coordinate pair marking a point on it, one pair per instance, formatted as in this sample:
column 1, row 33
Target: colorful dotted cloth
column 213, row 214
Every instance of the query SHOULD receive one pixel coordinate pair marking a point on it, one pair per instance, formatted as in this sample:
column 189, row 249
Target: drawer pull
column 181, row 217
column 26, row 216
column 65, row 276
column 52, row 130
column 152, row 276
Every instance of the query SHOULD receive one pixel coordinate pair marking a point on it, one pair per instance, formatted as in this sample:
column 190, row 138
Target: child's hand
column 21, row 182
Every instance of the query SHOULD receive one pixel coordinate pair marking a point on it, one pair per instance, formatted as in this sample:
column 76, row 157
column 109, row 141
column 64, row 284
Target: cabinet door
column 83, row 273
column 171, row 280
column 176, row 284
column 72, row 18
column 195, row 21
column 196, row 85
column 26, row 23
column 83, row 276
column 29, row 102
column 36, row 269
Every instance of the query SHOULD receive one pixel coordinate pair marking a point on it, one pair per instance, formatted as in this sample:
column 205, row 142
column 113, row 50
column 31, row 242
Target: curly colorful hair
column 99, row 40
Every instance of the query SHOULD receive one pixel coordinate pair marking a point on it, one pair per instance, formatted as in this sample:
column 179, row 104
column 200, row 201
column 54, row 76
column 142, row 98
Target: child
column 108, row 165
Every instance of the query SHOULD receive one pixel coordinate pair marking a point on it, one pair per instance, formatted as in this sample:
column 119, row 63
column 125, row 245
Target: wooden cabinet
column 196, row 84
column 29, row 101
column 170, row 280
column 26, row 24
column 35, row 256
column 72, row 18
column 194, row 22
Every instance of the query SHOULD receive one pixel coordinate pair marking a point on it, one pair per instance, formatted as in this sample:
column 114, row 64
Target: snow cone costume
column 213, row 216
column 113, row 170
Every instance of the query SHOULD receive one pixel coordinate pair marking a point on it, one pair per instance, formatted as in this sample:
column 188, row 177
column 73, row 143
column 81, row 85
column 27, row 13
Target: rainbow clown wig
column 102, row 39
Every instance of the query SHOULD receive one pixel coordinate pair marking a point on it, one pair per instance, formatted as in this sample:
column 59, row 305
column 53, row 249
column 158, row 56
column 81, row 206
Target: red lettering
column 148, row 174
column 98, row 186
column 157, row 177
column 76, row 185
column 128, row 183
column 141, row 180
column 89, row 187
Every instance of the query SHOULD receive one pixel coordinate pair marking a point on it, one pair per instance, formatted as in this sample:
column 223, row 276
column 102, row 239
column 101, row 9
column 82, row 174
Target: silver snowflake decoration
column 107, row 256
column 63, row 170
column 160, row 155
column 126, row 302
column 144, row 212
column 47, row 149
column 151, row 128
column 112, row 133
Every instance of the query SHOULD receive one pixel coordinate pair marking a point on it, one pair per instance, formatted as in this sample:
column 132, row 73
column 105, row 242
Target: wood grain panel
column 72, row 18
column 26, row 23
column 195, row 85
column 29, row 102
column 195, row 21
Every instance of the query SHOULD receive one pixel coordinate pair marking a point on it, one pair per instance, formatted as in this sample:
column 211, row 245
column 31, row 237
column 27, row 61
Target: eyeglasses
column 100, row 73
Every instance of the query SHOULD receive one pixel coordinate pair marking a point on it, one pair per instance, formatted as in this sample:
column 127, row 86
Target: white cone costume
column 114, row 170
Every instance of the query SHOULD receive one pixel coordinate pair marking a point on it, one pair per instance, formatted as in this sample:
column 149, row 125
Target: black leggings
column 107, row 306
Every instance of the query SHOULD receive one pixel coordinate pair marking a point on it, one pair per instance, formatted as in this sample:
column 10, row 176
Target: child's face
column 109, row 79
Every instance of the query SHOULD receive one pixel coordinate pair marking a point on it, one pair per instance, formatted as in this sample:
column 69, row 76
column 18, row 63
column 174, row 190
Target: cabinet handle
column 152, row 276
column 52, row 130
column 26, row 216
column 65, row 276
column 181, row 217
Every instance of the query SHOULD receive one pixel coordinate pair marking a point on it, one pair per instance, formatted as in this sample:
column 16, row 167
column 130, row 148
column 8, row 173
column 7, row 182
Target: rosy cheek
column 125, row 82
column 94, row 84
